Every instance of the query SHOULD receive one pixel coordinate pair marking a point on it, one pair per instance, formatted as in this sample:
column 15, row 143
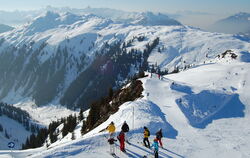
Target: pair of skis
column 114, row 155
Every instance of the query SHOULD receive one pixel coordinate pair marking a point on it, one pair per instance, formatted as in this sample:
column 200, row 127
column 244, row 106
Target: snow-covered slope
column 151, row 19
column 9, row 133
column 214, row 125
column 50, row 56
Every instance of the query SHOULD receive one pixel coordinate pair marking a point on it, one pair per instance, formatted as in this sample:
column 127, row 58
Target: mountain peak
column 234, row 24
column 151, row 19
column 51, row 20
column 239, row 16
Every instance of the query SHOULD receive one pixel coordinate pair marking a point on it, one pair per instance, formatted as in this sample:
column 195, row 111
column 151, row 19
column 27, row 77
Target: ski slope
column 217, row 126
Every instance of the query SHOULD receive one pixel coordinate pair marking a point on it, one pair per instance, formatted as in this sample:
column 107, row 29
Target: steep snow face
column 49, row 60
column 45, row 26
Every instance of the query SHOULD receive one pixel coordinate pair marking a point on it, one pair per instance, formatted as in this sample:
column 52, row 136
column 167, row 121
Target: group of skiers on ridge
column 122, row 138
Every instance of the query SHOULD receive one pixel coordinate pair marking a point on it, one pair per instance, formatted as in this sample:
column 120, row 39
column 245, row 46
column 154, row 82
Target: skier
column 146, row 135
column 159, row 136
column 156, row 147
column 125, row 129
column 111, row 129
column 121, row 138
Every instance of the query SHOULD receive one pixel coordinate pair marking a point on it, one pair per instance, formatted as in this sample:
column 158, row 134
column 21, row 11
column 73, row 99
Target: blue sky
column 211, row 6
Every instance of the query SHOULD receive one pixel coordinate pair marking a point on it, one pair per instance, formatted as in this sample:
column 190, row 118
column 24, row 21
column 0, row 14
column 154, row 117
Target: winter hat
column 155, row 140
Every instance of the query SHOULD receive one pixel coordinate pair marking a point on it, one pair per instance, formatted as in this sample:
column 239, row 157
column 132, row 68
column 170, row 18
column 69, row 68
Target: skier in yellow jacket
column 146, row 135
column 111, row 129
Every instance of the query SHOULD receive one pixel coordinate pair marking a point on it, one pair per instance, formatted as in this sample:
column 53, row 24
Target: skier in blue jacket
column 156, row 147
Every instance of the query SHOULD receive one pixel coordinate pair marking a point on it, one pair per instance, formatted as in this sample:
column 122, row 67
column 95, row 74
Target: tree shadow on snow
column 202, row 108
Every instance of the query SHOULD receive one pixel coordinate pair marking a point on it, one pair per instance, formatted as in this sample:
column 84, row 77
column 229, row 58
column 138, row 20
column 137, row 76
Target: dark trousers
column 156, row 153
column 146, row 140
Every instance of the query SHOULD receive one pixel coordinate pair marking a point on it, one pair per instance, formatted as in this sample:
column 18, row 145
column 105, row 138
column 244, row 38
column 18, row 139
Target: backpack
column 148, row 133
column 125, row 128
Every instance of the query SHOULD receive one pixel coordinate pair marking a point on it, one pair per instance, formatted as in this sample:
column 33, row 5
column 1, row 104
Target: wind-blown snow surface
column 227, row 134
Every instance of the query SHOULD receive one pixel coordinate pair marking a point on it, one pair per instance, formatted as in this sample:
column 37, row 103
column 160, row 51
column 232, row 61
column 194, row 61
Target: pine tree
column 81, row 117
column 111, row 93
column 84, row 126
column 65, row 129
column 1, row 128
column 73, row 136
column 6, row 134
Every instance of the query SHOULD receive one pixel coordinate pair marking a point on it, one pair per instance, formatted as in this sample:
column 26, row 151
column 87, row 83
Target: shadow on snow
column 202, row 108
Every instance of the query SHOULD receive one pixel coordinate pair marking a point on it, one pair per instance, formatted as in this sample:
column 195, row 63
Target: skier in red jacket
column 121, row 138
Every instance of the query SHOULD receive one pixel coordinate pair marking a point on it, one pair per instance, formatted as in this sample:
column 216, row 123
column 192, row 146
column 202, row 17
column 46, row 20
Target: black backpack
column 125, row 127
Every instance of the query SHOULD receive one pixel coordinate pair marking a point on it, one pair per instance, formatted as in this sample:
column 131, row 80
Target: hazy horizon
column 189, row 12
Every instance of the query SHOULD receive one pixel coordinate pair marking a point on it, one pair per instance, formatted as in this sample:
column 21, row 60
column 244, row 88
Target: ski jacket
column 111, row 141
column 159, row 134
column 125, row 127
column 146, row 133
column 155, row 146
column 111, row 128
column 121, row 137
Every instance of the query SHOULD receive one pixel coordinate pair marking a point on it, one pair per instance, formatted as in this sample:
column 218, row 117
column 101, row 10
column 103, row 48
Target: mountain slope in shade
column 5, row 28
column 238, row 23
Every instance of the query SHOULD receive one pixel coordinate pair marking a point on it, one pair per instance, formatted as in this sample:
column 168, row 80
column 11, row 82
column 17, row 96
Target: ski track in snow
column 226, row 135
column 222, row 137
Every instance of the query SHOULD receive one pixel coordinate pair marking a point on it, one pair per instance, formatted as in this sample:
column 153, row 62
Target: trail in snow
column 222, row 137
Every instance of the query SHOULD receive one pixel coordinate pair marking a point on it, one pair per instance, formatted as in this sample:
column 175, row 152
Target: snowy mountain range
column 238, row 23
column 16, row 18
column 72, row 60
column 64, row 58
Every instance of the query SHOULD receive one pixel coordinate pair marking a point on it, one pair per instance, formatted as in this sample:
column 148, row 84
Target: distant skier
column 146, row 135
column 125, row 129
column 111, row 129
column 121, row 138
column 156, row 147
column 159, row 76
column 159, row 136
